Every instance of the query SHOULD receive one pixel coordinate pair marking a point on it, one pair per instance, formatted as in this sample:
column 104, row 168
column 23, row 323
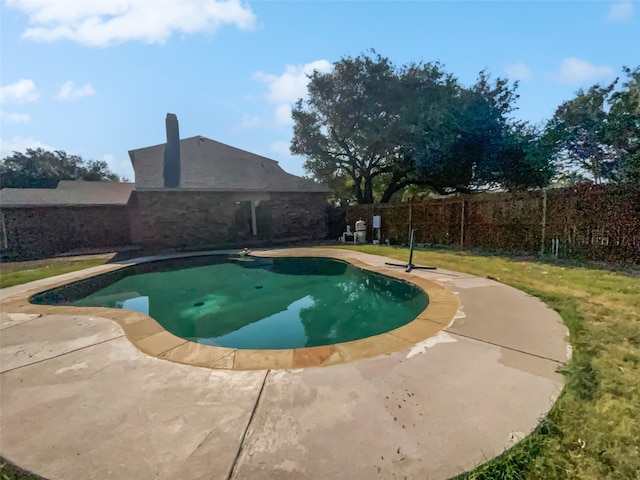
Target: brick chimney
column 171, row 171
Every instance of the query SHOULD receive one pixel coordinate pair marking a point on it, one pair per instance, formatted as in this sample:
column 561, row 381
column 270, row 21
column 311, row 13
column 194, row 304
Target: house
column 193, row 193
column 198, row 192
column 40, row 222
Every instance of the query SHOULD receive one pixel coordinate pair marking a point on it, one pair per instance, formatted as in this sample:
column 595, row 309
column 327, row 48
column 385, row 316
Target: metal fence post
column 410, row 219
column 544, row 220
column 462, row 225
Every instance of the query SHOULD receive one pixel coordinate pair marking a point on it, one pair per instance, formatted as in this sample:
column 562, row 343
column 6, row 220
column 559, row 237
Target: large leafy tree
column 623, row 128
column 384, row 128
column 475, row 144
column 346, row 126
column 596, row 135
column 427, row 127
column 39, row 168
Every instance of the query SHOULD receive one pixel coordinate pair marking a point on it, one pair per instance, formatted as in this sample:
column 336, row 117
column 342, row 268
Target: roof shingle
column 209, row 165
column 67, row 193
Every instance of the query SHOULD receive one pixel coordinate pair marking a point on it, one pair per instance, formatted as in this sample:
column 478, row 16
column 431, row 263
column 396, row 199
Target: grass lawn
column 16, row 273
column 9, row 472
column 593, row 431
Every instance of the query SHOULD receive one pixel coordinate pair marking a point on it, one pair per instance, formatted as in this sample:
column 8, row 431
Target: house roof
column 209, row 165
column 67, row 193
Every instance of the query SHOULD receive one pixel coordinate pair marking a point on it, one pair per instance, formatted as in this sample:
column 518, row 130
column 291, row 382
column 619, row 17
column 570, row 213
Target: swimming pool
column 253, row 302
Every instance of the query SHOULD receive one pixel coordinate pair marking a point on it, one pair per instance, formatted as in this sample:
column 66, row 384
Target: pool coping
column 148, row 336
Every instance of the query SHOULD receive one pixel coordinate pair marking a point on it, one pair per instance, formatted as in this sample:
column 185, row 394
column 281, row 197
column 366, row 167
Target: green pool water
column 259, row 303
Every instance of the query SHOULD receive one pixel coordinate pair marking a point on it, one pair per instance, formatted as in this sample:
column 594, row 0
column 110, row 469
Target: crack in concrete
column 61, row 354
column 204, row 440
column 234, row 464
column 207, row 436
column 559, row 362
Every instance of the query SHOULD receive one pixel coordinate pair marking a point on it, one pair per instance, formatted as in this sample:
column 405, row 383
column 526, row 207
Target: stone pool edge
column 151, row 338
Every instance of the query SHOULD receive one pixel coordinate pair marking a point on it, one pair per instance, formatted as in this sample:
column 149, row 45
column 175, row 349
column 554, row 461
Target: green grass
column 9, row 472
column 17, row 273
column 593, row 430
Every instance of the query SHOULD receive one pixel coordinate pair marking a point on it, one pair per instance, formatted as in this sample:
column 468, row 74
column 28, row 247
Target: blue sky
column 97, row 77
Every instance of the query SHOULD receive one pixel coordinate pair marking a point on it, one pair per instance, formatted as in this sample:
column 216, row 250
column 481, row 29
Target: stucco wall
column 172, row 219
column 38, row 232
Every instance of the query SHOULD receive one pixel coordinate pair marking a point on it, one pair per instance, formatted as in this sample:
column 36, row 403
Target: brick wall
column 299, row 215
column 218, row 219
column 164, row 220
column 38, row 232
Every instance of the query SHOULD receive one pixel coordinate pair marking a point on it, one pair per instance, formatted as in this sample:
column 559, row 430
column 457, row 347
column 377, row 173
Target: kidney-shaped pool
column 253, row 302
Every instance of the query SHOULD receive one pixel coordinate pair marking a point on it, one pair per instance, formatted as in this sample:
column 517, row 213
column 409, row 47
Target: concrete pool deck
column 79, row 400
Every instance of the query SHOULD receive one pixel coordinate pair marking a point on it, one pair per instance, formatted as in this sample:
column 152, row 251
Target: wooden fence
column 593, row 222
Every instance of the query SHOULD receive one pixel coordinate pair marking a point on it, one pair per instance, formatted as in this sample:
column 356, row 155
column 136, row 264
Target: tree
column 428, row 104
column 386, row 128
column 476, row 144
column 345, row 127
column 623, row 128
column 43, row 169
column 577, row 130
column 596, row 135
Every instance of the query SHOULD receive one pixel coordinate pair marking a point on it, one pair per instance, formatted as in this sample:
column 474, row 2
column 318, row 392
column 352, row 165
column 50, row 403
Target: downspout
column 254, row 223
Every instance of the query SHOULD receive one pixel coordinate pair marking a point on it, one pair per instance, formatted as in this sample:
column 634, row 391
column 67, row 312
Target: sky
column 96, row 78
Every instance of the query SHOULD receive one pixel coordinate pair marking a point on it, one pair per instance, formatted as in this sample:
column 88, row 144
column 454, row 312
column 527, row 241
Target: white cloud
column 292, row 84
column 100, row 23
column 119, row 166
column 574, row 71
column 249, row 121
column 519, row 71
column 12, row 117
column 288, row 87
column 20, row 144
column 281, row 148
column 620, row 12
column 22, row 91
column 282, row 114
column 68, row 92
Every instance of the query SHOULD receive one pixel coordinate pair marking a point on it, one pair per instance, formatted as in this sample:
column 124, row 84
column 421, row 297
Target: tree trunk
column 388, row 193
column 357, row 182
column 368, row 190
column 392, row 188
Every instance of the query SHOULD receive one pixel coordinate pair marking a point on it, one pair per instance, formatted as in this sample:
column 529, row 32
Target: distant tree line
column 376, row 132
column 39, row 168
column 596, row 135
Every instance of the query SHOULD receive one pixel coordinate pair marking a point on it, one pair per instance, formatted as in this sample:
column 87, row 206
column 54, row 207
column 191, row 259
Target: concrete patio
column 79, row 400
